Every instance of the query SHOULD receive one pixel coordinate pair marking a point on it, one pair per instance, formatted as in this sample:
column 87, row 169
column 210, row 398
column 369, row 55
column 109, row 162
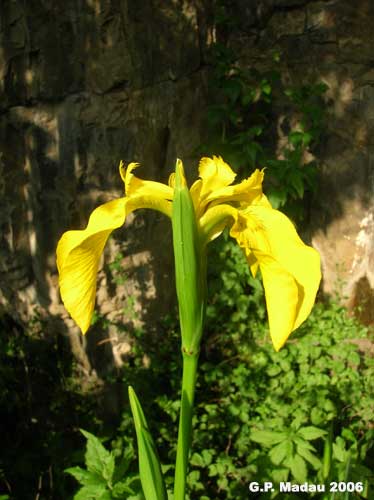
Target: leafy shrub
column 103, row 479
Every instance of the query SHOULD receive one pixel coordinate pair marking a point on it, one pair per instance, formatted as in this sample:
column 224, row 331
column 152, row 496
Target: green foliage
column 303, row 414
column 265, row 416
column 41, row 405
column 102, row 479
column 261, row 416
column 118, row 273
column 256, row 121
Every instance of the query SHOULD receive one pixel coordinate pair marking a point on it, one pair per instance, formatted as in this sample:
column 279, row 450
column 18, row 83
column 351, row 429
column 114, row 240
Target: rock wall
column 85, row 83
column 328, row 41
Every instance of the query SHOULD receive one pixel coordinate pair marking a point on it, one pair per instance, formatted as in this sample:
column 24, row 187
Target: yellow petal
column 149, row 201
column 78, row 253
column 248, row 191
column 290, row 269
column 171, row 181
column 214, row 174
column 138, row 187
column 78, row 257
column 214, row 221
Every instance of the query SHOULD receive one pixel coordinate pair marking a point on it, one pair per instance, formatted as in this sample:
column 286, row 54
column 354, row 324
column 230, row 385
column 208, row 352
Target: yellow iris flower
column 290, row 269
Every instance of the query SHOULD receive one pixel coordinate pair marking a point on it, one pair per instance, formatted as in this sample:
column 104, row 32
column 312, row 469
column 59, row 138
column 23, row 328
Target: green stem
column 190, row 361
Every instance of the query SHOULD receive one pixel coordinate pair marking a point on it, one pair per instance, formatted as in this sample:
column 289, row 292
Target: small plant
column 103, row 479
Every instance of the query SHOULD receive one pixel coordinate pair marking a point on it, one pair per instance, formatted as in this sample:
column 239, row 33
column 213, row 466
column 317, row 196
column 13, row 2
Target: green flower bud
column 190, row 264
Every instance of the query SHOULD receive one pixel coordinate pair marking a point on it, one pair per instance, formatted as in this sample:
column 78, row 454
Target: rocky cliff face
column 85, row 83
column 328, row 41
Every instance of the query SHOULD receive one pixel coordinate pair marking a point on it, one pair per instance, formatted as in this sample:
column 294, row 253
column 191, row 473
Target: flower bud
column 190, row 265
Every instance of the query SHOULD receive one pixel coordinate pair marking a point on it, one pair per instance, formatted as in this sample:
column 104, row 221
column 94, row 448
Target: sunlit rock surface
column 84, row 85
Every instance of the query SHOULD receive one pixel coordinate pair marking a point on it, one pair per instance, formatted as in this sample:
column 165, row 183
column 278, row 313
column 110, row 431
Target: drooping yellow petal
column 149, row 201
column 79, row 252
column 138, row 187
column 78, row 257
column 290, row 269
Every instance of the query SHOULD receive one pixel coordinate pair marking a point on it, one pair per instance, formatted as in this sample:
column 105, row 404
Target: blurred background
column 282, row 84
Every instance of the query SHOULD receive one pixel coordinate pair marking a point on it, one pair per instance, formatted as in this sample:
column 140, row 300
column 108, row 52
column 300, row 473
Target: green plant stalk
column 190, row 278
column 190, row 362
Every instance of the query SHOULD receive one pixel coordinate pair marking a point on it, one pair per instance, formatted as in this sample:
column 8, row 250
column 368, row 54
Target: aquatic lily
column 290, row 269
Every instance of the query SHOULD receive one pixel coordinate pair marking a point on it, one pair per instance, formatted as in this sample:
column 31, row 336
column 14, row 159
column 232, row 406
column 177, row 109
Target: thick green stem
column 190, row 277
column 190, row 361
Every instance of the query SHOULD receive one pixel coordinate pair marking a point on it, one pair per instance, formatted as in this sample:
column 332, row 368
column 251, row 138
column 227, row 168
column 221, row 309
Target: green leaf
column 301, row 443
column 296, row 138
column 309, row 457
column 266, row 87
column 298, row 468
column 277, row 197
column 149, row 463
column 310, row 433
column 280, row 452
column 339, row 452
column 307, row 138
column 130, row 488
column 197, row 460
column 267, row 438
column 85, row 477
column 280, row 475
column 248, row 97
column 120, row 488
column 97, row 458
column 93, row 493
column 296, row 181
